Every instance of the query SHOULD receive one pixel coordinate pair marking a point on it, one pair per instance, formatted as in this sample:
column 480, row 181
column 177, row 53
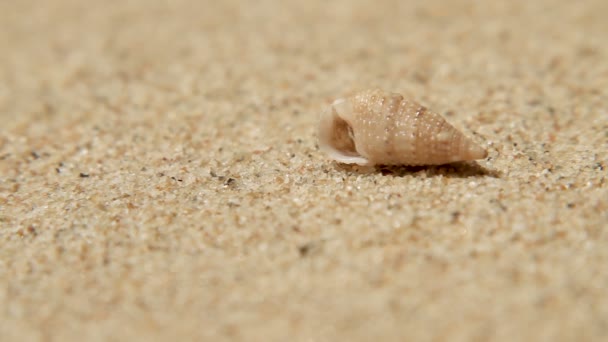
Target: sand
column 160, row 178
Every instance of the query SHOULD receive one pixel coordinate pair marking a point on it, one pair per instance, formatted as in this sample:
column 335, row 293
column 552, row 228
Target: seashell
column 374, row 127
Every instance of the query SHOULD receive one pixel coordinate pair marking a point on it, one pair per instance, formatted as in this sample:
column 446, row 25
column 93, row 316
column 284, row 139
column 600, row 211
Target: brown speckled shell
column 375, row 127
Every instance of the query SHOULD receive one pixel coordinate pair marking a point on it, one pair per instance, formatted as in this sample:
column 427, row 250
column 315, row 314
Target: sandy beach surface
column 161, row 180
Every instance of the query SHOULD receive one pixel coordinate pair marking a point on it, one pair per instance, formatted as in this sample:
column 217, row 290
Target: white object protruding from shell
column 373, row 127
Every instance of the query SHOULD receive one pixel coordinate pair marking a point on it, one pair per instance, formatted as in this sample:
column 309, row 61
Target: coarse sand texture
column 161, row 177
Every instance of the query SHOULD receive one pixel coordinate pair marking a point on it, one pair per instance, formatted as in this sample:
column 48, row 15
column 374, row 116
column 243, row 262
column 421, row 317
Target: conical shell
column 374, row 127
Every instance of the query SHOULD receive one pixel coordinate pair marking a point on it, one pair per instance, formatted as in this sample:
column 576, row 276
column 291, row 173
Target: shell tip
column 477, row 152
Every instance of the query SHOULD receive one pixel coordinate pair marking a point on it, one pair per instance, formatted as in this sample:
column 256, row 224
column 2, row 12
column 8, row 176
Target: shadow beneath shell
column 453, row 170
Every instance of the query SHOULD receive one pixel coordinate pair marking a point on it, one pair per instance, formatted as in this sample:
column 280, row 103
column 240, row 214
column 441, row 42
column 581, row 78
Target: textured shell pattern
column 374, row 127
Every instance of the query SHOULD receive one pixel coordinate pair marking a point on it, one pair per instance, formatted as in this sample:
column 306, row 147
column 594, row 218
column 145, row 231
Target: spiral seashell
column 374, row 127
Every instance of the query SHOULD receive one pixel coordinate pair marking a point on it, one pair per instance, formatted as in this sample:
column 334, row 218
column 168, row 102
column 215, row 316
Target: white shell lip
column 340, row 110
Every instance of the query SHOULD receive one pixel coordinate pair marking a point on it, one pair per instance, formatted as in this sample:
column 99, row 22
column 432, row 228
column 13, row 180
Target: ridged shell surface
column 376, row 127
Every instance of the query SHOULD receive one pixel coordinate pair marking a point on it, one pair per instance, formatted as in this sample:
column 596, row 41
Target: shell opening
column 336, row 137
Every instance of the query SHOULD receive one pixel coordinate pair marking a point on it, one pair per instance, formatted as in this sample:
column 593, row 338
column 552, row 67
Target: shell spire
column 374, row 127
